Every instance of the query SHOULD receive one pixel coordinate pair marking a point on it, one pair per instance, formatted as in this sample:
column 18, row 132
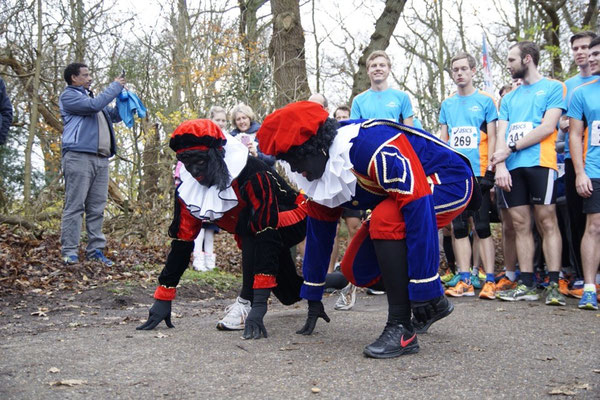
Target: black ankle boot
column 395, row 341
column 427, row 312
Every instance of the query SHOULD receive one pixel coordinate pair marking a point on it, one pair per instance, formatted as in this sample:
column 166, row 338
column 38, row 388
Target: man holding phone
column 88, row 141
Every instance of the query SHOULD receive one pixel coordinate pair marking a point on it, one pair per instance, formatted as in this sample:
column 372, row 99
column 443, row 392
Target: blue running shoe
column 452, row 282
column 588, row 301
column 70, row 260
column 475, row 281
column 97, row 255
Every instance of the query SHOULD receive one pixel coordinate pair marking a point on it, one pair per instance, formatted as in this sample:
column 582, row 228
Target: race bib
column 595, row 133
column 464, row 137
column 518, row 130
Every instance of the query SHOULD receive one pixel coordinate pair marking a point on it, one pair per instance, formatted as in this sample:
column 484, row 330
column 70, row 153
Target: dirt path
column 486, row 350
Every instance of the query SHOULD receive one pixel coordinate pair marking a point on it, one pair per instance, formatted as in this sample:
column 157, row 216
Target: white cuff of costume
column 426, row 280
column 314, row 284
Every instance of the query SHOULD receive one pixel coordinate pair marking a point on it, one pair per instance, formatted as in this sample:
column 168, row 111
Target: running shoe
column 553, row 295
column 488, row 291
column 563, row 286
column 98, row 255
column 447, row 276
column 70, row 260
column 589, row 301
column 462, row 288
column 505, row 284
column 476, row 282
column 481, row 275
column 452, row 282
column 521, row 292
column 394, row 341
column 347, row 298
column 577, row 290
column 235, row 315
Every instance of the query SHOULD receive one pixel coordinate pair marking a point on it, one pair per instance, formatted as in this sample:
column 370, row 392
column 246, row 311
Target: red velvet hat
column 290, row 126
column 197, row 134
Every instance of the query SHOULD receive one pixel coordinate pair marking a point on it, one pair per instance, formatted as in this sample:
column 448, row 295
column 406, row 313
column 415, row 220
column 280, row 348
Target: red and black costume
column 264, row 213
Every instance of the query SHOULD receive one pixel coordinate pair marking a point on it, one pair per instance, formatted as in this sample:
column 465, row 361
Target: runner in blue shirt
column 468, row 123
column 526, row 139
column 580, row 43
column 584, row 125
column 381, row 101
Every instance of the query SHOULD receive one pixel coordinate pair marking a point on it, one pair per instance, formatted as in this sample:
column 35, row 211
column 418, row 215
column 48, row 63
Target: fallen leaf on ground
column 68, row 382
column 570, row 389
column 54, row 370
column 315, row 390
column 160, row 335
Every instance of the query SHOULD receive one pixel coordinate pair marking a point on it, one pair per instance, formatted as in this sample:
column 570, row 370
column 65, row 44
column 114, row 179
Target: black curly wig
column 316, row 144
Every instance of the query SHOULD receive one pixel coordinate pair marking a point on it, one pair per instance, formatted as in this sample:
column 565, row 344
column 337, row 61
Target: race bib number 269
column 518, row 130
column 464, row 137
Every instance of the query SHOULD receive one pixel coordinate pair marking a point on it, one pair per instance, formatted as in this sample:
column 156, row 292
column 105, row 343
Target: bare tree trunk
column 548, row 10
column 77, row 15
column 248, row 30
column 439, row 14
column 380, row 40
column 150, row 158
column 317, row 50
column 34, row 110
column 286, row 51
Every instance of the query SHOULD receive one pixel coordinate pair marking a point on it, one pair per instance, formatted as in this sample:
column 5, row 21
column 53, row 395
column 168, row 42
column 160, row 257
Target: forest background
column 182, row 57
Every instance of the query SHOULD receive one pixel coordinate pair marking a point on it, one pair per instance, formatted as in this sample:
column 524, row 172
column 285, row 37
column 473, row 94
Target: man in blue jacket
column 88, row 141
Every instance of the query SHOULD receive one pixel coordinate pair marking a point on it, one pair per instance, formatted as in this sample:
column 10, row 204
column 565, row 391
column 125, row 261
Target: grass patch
column 216, row 278
column 122, row 288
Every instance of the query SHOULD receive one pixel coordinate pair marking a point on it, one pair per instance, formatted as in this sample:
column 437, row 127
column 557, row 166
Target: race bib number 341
column 464, row 137
column 595, row 135
column 518, row 130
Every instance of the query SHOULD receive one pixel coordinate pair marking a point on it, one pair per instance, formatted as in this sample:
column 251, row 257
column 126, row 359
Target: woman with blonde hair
column 245, row 127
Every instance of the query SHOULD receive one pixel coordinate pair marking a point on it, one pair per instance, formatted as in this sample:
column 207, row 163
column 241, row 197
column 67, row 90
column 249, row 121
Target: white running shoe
column 210, row 261
column 199, row 262
column 235, row 316
column 347, row 298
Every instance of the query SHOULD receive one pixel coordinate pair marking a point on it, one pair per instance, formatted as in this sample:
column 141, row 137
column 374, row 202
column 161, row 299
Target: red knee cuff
column 164, row 293
column 262, row 281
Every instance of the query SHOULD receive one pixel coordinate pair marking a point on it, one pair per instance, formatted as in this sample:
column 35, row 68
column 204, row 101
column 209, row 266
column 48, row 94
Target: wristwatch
column 513, row 147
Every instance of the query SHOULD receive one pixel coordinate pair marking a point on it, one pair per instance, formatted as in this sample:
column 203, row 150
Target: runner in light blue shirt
column 381, row 101
column 466, row 118
column 585, row 107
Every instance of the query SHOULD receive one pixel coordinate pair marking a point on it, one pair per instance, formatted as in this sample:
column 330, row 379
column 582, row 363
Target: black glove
column 487, row 182
column 422, row 311
column 161, row 309
column 254, row 327
column 315, row 310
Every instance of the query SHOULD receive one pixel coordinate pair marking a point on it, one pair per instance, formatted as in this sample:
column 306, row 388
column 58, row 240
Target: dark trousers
column 576, row 217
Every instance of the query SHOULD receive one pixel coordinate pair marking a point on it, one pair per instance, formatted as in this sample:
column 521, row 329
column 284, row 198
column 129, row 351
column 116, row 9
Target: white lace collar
column 338, row 184
column 210, row 203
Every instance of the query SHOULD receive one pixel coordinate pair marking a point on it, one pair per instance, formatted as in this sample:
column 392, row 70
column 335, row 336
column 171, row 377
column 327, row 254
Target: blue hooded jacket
column 80, row 123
